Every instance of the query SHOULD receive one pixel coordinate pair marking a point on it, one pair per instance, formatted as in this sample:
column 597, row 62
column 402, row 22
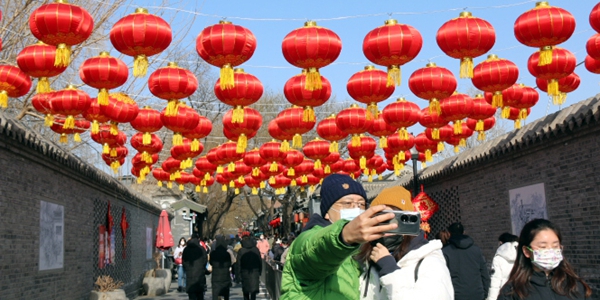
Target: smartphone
column 409, row 222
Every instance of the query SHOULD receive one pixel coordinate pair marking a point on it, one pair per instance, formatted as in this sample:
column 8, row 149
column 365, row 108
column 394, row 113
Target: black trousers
column 250, row 296
column 221, row 292
column 196, row 296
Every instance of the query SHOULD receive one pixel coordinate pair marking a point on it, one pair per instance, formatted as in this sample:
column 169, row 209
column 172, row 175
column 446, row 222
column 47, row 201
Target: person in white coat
column 402, row 266
column 503, row 263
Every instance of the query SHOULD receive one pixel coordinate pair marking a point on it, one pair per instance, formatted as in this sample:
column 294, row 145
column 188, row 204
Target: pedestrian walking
column 502, row 263
column 468, row 269
column 194, row 263
column 541, row 271
column 443, row 236
column 319, row 263
column 403, row 266
column 263, row 246
column 285, row 252
column 178, row 257
column 220, row 260
column 250, row 268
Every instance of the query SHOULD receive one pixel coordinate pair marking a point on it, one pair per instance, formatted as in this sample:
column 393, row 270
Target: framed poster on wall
column 52, row 227
column 527, row 203
column 148, row 243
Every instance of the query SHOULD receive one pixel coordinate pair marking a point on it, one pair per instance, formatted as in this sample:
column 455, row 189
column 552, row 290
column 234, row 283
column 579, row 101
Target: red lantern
column 105, row 138
column 70, row 102
column 433, row 84
column 203, row 165
column 593, row 46
column 432, row 121
column 381, row 129
column 117, row 160
column 172, row 166
column 510, row 97
column 444, row 134
column 206, row 183
column 316, row 150
column 270, row 172
column 185, row 120
column 161, row 175
column 425, row 145
column 254, row 160
column 354, row 120
column 296, row 93
column 103, row 72
column 184, row 153
column 329, row 161
column 402, row 114
column 94, row 114
column 565, row 85
column 13, row 83
column 456, row 108
column 271, row 152
column 373, row 164
column 293, row 159
column 494, row 75
column 252, row 183
column 120, row 109
column 392, row 45
column 465, row 38
column 481, row 126
column 81, row 125
column 482, row 111
column 250, row 124
column 140, row 163
column 241, row 170
column 311, row 47
column 351, row 167
column 328, row 130
column 213, row 157
column 517, row 115
column 246, row 91
column 291, row 121
column 303, row 169
column 147, row 121
column 225, row 46
column 172, row 83
column 276, row 133
column 227, row 153
column 364, row 151
column 591, row 64
column 41, row 103
column 399, row 146
column 336, row 166
column 37, row 61
column 370, row 87
column 201, row 131
column 595, row 17
column 465, row 133
column 141, row 35
column 62, row 25
column 543, row 27
column 146, row 149
column 528, row 100
column 562, row 65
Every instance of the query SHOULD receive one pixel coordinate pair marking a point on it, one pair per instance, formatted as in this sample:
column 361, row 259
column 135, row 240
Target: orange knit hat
column 395, row 196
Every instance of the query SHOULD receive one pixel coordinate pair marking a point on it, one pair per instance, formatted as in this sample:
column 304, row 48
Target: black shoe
column 180, row 289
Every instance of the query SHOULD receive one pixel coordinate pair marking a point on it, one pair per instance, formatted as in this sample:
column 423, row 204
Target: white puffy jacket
column 433, row 277
column 501, row 266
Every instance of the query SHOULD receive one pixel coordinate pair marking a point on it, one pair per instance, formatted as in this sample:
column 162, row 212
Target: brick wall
column 567, row 164
column 34, row 171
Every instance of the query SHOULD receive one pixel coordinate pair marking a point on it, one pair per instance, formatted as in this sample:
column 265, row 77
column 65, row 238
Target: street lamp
column 414, row 155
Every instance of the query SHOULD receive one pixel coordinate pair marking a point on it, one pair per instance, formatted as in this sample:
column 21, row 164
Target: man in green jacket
column 319, row 264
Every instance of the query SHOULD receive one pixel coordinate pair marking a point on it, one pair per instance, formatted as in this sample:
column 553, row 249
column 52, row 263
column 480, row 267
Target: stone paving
column 235, row 293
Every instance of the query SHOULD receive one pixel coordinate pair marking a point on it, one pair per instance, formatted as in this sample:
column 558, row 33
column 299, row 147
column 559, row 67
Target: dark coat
column 250, row 266
column 220, row 260
column 541, row 289
column 194, row 263
column 470, row 276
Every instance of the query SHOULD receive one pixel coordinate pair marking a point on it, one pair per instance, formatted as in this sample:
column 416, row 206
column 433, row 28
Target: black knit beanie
column 336, row 186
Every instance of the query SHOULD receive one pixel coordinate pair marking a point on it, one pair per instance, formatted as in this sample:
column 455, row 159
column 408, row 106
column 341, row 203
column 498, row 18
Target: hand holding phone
column 409, row 222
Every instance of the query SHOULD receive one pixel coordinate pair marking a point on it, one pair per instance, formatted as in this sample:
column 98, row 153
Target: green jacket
column 320, row 266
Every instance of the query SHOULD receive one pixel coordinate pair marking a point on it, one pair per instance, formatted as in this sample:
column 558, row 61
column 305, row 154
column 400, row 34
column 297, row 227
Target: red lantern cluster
column 103, row 72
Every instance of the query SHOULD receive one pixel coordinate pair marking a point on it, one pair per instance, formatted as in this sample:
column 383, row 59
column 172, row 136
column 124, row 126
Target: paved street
column 235, row 293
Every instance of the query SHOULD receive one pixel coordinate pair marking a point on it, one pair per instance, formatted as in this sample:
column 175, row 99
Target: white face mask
column 546, row 259
column 349, row 213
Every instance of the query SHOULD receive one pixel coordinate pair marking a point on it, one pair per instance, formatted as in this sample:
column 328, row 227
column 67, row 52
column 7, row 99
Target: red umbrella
column 164, row 238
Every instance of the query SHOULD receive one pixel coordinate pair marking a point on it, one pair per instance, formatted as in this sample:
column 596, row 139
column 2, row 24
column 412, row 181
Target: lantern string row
column 324, row 19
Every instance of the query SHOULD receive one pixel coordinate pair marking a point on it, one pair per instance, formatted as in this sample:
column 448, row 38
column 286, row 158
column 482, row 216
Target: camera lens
column 404, row 218
column 413, row 219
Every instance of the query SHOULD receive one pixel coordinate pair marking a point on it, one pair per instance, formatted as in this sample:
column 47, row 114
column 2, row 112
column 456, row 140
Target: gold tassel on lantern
column 285, row 146
column 440, row 146
column 206, row 177
column 241, row 180
column 505, row 112
column 481, row 136
column 517, row 124
column 553, row 88
column 304, row 179
column 48, row 120
column 401, row 155
column 170, row 184
column 113, row 152
column 318, row 164
column 147, row 158
column 382, row 142
column 327, row 169
column 255, row 172
column 105, row 148
column 434, row 107
column 4, row 99
column 147, row 138
column 43, row 86
column 523, row 114
column 220, row 170
column 462, row 142
column 370, row 178
column 272, row 180
column 63, row 55
column 69, row 123
column 308, row 115
column 181, row 187
column 197, row 189
column 231, row 184
column 297, row 141
column 237, row 191
column 313, row 80
column 227, row 80
column 224, row 188
column 293, row 183
column 177, row 139
column 466, row 67
column 172, row 108
column 195, row 146
column 273, row 167
column 95, row 127
column 545, row 56
column 394, row 76
column 204, row 190
column 356, row 140
column 103, row 97
column 77, row 138
column 63, row 139
column 231, row 167
column 237, row 116
column 114, row 128
column 497, row 99
column 333, row 147
column 372, row 109
column 140, row 65
column 115, row 165
column 458, row 127
column 363, row 162
column 254, row 191
column 428, row 156
column 435, row 133
column 242, row 143
column 291, row 172
column 560, row 99
column 403, row 134
column 479, row 126
column 263, row 184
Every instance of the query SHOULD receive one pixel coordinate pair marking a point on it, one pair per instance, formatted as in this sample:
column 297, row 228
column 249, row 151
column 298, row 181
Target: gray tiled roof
column 15, row 132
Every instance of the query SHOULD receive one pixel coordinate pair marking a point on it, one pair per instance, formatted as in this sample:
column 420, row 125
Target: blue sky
column 270, row 21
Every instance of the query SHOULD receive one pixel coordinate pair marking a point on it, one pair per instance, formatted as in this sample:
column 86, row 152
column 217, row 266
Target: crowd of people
column 349, row 251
